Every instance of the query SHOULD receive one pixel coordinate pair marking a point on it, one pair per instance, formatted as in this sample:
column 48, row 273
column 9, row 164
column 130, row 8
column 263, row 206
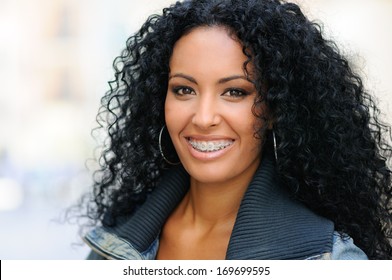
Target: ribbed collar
column 269, row 224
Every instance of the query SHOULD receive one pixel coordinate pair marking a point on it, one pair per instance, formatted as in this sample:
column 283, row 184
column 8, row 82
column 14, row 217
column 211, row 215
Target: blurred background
column 55, row 60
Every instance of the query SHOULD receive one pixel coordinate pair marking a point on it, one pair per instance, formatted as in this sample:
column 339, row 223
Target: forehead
column 208, row 49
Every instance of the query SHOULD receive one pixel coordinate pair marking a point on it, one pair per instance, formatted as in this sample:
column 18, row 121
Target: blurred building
column 55, row 60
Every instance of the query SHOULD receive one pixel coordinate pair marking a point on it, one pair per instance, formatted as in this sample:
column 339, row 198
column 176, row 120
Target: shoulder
column 343, row 248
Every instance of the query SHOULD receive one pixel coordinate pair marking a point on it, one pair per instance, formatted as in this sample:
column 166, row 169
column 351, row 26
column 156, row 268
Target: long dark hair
column 333, row 150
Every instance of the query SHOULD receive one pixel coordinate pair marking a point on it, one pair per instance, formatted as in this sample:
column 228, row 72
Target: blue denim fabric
column 344, row 249
column 111, row 247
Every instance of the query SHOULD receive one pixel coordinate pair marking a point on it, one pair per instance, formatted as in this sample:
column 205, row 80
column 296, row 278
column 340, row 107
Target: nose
column 206, row 112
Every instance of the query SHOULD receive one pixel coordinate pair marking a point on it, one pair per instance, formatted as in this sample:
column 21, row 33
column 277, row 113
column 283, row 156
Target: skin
column 209, row 98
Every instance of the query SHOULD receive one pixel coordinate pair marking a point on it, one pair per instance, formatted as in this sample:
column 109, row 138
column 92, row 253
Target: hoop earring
column 275, row 150
column 161, row 148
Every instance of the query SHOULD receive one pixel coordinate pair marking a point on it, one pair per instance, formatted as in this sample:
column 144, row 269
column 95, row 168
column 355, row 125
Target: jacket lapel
column 269, row 224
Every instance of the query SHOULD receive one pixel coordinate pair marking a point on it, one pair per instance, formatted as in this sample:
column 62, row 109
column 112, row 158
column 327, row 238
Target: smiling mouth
column 209, row 146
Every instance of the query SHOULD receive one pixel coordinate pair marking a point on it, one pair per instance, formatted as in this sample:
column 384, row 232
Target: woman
column 278, row 150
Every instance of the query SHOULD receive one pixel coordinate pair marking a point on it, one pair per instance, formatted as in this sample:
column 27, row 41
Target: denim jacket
column 269, row 225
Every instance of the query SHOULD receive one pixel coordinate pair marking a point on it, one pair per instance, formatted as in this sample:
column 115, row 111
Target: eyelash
column 238, row 93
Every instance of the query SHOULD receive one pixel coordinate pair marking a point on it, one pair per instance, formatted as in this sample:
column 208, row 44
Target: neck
column 213, row 204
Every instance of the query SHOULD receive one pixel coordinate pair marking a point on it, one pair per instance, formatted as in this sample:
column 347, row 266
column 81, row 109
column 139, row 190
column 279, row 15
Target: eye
column 235, row 93
column 183, row 90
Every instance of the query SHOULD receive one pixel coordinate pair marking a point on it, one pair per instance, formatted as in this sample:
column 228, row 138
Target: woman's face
column 208, row 108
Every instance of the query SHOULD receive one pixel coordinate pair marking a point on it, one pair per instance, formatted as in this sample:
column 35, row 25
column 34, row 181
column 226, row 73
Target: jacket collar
column 269, row 224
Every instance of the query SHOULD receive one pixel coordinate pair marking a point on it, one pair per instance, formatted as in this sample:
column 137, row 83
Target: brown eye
column 183, row 90
column 235, row 93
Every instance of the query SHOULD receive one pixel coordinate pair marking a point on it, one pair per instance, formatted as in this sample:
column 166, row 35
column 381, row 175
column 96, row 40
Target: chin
column 210, row 174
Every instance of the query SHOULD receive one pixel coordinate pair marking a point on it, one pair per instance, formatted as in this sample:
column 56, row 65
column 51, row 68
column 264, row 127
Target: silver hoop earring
column 161, row 148
column 275, row 150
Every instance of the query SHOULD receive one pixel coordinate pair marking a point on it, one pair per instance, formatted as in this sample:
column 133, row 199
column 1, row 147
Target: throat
column 209, row 210
column 212, row 204
column 183, row 239
column 201, row 225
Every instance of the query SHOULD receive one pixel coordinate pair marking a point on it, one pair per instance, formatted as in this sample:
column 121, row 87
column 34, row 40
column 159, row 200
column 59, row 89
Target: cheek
column 246, row 121
column 173, row 116
column 168, row 115
column 169, row 108
column 249, row 127
column 167, row 111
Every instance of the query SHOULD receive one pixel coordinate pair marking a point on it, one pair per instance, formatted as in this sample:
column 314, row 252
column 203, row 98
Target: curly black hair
column 333, row 150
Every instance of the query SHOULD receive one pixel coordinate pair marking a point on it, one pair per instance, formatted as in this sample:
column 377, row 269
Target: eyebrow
column 230, row 78
column 181, row 75
column 220, row 81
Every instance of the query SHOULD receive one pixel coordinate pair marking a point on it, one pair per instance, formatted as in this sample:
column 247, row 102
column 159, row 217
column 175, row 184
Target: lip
column 206, row 156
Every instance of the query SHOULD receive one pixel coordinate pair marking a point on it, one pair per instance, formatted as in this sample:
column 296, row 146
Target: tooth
column 209, row 146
